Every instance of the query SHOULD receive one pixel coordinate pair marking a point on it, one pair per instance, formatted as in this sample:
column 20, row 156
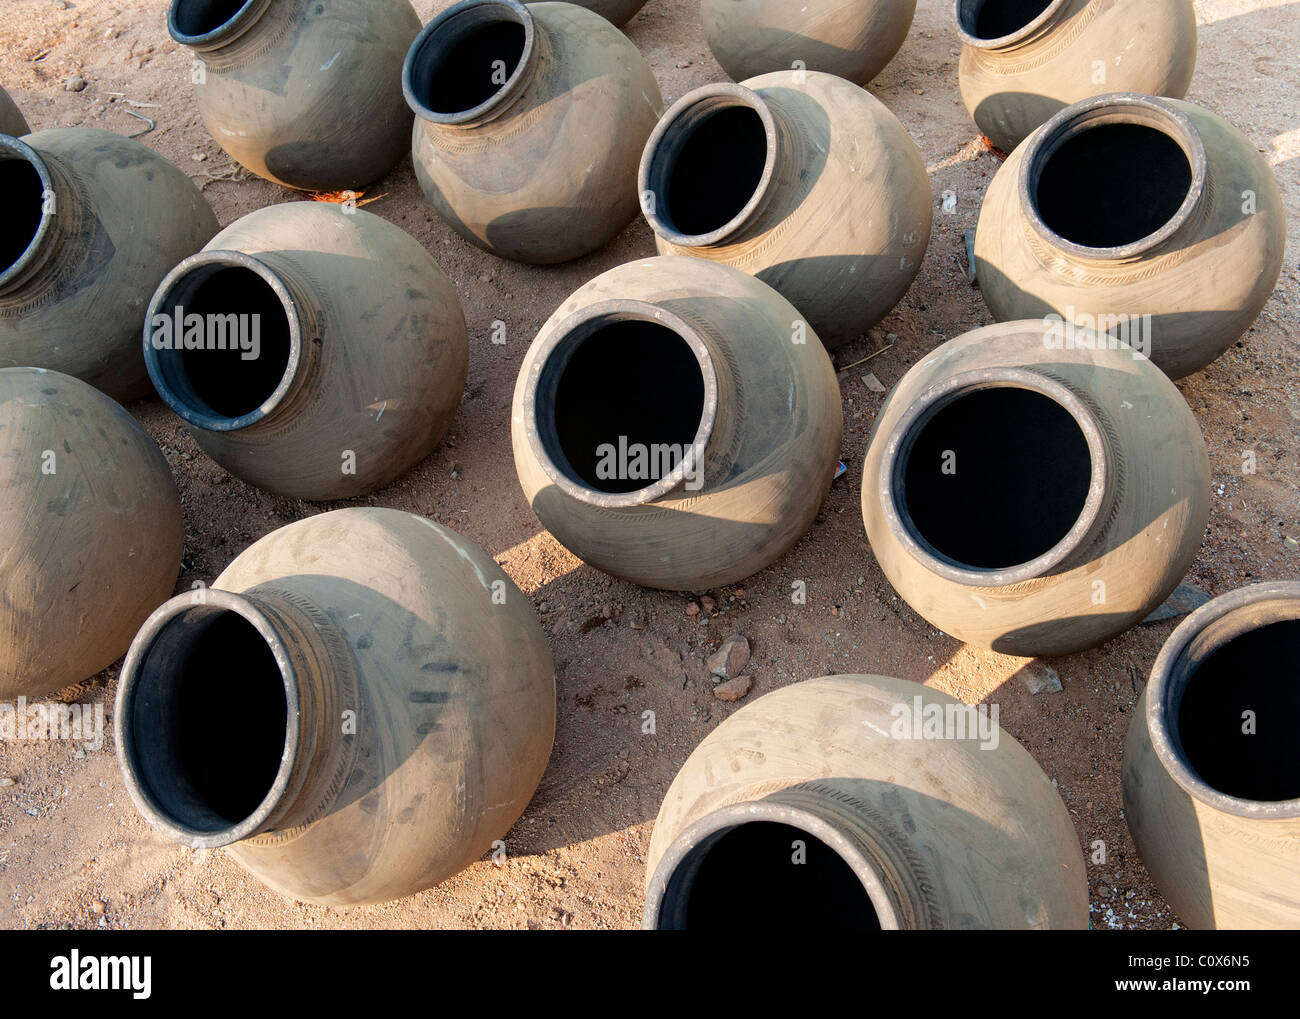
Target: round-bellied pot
column 314, row 352
column 1125, row 208
column 306, row 93
column 1212, row 765
column 1022, row 62
column 801, row 179
column 94, row 221
column 863, row 802
column 90, row 525
column 529, row 124
column 360, row 705
column 12, row 121
column 671, row 428
column 853, row 39
column 616, row 12
column 1032, row 499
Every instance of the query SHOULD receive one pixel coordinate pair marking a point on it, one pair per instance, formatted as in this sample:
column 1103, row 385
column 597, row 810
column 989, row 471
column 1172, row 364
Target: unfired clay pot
column 90, row 531
column 1212, row 764
column 12, row 121
column 530, row 121
column 825, row 805
column 93, row 222
column 1127, row 207
column 306, row 93
column 359, row 707
column 674, row 426
column 360, row 358
column 617, row 12
column 1031, row 499
column 1022, row 61
column 852, row 39
column 801, row 179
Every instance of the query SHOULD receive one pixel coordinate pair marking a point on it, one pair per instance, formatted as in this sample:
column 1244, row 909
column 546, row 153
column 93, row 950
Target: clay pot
column 837, row 799
column 1021, row 63
column 853, row 39
column 673, row 425
column 1212, row 766
column 90, row 525
column 801, row 179
column 1033, row 500
column 394, row 697
column 12, row 121
column 530, row 121
column 1126, row 205
column 351, row 355
column 95, row 220
column 303, row 93
column 616, row 12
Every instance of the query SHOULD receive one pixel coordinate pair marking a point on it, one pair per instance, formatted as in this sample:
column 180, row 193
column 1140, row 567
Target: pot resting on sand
column 865, row 803
column 358, row 708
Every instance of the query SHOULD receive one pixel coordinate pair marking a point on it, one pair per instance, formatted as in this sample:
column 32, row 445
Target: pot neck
column 184, row 766
column 61, row 224
column 170, row 338
column 898, row 889
column 1011, row 38
column 1126, row 108
column 444, row 48
column 190, row 25
column 671, row 138
column 1099, row 505
column 708, row 457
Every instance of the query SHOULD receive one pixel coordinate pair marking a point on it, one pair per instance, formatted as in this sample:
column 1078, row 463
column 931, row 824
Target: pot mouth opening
column 1113, row 177
column 995, row 478
column 708, row 165
column 993, row 24
column 207, row 719
column 469, row 60
column 623, row 404
column 222, row 340
column 207, row 22
column 751, row 867
column 28, row 188
column 1227, row 689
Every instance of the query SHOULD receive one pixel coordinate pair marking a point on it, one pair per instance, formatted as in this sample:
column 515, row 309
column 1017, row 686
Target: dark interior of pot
column 1239, row 717
column 24, row 203
column 765, row 875
column 624, row 403
column 208, row 720
column 199, row 17
column 996, row 477
column 232, row 346
column 466, row 60
column 996, row 19
column 711, row 167
column 1112, row 184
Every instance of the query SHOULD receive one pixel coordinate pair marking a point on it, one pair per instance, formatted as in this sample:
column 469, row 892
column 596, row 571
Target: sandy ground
column 73, row 852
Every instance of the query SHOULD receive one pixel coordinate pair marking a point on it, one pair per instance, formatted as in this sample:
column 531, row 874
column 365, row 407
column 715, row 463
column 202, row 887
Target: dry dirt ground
column 73, row 852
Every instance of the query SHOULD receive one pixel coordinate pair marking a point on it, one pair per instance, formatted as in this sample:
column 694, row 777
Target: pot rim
column 1011, row 38
column 1115, row 107
column 518, row 13
column 229, row 30
column 1175, row 663
column 573, row 331
column 189, row 406
column 21, row 150
column 136, row 658
column 715, row 823
column 717, row 96
column 902, row 437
